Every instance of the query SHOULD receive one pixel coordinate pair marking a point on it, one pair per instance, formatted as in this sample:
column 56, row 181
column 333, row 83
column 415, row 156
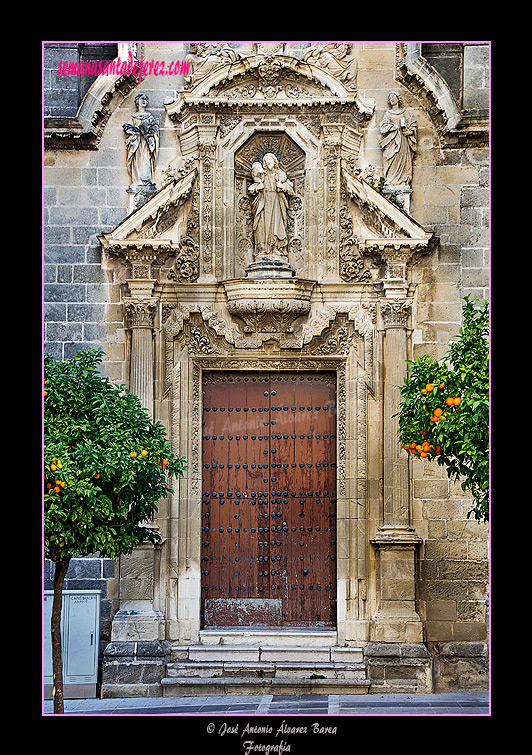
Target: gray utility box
column 80, row 639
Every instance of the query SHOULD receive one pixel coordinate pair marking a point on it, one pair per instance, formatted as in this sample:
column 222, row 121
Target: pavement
column 461, row 703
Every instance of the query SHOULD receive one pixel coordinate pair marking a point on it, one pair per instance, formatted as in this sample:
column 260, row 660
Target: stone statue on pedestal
column 142, row 143
column 398, row 142
column 270, row 188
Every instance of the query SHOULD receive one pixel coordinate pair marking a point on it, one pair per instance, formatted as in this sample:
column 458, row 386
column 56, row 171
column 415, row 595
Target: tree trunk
column 61, row 568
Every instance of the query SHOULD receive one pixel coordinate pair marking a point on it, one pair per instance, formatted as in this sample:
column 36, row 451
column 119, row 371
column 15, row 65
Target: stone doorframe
column 344, row 343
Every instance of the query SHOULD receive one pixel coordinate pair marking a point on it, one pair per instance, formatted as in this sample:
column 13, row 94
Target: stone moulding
column 217, row 335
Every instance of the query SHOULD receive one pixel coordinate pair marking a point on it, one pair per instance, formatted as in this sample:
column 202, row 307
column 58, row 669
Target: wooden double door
column 268, row 554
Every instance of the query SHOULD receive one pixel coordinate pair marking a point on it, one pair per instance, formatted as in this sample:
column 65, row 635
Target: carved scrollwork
column 352, row 268
column 186, row 266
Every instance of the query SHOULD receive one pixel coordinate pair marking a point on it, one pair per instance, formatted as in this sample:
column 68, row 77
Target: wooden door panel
column 268, row 514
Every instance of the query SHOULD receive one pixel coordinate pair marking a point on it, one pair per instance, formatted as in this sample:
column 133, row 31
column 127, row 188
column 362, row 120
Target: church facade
column 260, row 235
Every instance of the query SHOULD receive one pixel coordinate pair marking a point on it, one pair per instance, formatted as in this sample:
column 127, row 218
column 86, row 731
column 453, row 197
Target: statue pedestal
column 268, row 304
column 269, row 267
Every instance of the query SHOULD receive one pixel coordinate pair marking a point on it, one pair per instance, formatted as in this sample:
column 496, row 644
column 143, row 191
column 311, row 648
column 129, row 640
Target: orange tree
column 106, row 464
column 444, row 413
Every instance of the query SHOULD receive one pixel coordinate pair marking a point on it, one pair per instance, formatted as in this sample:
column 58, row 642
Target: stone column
column 134, row 661
column 395, row 315
column 396, row 620
column 141, row 313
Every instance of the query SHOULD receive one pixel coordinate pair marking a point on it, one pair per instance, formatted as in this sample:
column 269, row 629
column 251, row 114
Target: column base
column 391, row 624
column 137, row 625
column 396, row 620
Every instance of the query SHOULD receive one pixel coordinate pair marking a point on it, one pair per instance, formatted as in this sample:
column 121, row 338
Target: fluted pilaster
column 140, row 314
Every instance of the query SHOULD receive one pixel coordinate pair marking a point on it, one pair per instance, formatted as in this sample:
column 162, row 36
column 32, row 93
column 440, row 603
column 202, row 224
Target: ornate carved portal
column 342, row 352
column 266, row 251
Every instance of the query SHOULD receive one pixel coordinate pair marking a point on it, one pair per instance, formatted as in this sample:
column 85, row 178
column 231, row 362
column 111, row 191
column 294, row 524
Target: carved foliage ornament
column 141, row 312
column 395, row 314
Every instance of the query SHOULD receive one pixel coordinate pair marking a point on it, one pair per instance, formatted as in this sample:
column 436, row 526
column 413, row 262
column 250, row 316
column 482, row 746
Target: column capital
column 395, row 312
column 141, row 312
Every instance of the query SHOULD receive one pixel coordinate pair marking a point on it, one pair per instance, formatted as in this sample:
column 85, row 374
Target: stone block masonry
column 81, row 298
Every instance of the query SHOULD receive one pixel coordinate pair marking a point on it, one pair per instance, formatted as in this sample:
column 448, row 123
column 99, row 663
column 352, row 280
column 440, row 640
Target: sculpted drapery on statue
column 206, row 57
column 334, row 57
column 270, row 189
column 142, row 143
column 398, row 142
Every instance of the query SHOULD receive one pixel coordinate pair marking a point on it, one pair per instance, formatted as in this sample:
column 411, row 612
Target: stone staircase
column 242, row 662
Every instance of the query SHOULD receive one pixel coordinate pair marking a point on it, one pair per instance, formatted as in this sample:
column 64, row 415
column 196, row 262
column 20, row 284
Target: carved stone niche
column 268, row 306
column 256, row 260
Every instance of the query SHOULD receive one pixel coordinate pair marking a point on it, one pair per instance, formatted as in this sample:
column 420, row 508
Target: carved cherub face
column 257, row 171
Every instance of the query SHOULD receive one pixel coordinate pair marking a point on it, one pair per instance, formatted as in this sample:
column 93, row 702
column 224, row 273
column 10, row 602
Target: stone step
column 273, row 653
column 191, row 686
column 265, row 637
column 197, row 669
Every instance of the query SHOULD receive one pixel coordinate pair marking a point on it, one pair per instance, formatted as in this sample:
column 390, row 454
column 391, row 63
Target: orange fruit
column 144, row 453
column 438, row 412
column 438, row 449
column 449, row 401
column 96, row 476
column 45, row 394
column 442, row 385
column 57, row 489
column 429, row 387
column 53, row 467
column 423, row 454
column 133, row 454
column 165, row 462
column 457, row 401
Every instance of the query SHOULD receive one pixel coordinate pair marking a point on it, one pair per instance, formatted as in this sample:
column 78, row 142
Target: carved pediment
column 157, row 230
column 274, row 79
column 380, row 221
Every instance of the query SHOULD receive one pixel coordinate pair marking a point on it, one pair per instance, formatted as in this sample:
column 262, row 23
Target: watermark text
column 117, row 67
